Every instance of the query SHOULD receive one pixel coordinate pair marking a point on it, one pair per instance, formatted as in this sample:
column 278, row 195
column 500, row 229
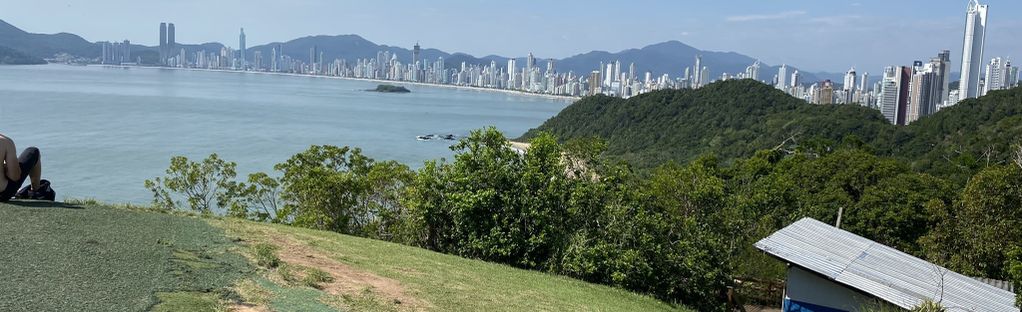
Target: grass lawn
column 57, row 257
column 444, row 282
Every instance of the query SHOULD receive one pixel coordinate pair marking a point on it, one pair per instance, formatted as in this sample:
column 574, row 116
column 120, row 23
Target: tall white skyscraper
column 782, row 77
column 512, row 70
column 864, row 82
column 609, row 77
column 972, row 52
column 850, row 80
column 890, row 91
column 752, row 72
column 697, row 76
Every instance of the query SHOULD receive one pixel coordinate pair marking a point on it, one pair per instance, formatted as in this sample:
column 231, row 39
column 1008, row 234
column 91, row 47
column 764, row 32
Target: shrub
column 203, row 185
column 339, row 189
column 929, row 306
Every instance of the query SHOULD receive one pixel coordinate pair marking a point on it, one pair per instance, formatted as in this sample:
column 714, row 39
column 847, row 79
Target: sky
column 818, row 35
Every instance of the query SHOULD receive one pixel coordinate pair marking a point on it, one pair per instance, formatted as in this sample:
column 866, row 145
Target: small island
column 390, row 89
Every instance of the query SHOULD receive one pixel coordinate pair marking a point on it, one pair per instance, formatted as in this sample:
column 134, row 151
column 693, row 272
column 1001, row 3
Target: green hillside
column 733, row 119
column 56, row 257
column 10, row 56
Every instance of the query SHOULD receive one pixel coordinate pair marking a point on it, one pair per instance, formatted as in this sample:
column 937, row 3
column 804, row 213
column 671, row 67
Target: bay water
column 103, row 131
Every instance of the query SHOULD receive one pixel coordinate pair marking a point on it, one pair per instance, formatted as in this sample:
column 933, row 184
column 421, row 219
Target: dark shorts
column 28, row 160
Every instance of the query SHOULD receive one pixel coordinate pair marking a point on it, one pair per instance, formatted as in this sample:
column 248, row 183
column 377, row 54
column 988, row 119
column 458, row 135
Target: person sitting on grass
column 17, row 169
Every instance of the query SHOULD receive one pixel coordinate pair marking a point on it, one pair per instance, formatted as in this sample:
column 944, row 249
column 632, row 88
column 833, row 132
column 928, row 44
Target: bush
column 1014, row 265
column 339, row 189
column 266, row 255
column 203, row 185
column 929, row 306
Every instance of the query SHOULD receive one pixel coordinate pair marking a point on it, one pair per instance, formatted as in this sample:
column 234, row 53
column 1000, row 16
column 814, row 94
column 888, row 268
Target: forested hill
column 10, row 56
column 958, row 141
column 733, row 119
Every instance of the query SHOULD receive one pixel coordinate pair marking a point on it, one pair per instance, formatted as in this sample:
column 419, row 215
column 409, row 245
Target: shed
column 830, row 269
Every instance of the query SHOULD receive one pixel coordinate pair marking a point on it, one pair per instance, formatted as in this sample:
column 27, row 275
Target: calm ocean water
column 103, row 131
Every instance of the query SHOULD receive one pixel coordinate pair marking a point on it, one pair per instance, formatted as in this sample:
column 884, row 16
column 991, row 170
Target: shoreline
column 408, row 83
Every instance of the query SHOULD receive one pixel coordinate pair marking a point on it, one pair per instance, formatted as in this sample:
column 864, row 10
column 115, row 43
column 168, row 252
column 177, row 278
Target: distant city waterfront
column 104, row 130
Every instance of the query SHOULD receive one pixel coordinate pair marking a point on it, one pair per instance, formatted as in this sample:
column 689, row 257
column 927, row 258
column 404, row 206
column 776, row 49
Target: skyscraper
column 312, row 59
column 512, row 71
column 273, row 60
column 241, row 49
column 998, row 72
column 943, row 65
column 972, row 52
column 697, row 76
column 594, row 82
column 864, row 82
column 416, row 53
column 752, row 72
column 825, row 95
column 171, row 40
column 921, row 92
column 849, row 85
column 782, row 77
column 894, row 93
column 163, row 43
column 850, row 77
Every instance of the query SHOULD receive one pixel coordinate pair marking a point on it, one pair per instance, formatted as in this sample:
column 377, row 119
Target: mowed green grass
column 450, row 283
column 56, row 257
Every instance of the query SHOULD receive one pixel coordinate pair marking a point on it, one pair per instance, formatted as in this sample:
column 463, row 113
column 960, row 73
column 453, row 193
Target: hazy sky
column 825, row 35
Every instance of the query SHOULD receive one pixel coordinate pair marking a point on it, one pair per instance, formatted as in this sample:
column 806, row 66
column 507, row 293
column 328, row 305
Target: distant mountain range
column 670, row 57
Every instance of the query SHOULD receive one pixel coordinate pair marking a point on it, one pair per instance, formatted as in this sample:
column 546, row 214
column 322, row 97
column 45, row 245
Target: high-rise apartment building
column 894, row 93
column 998, row 75
column 782, row 77
column 972, row 51
column 698, row 75
column 594, row 82
column 241, row 50
column 163, row 43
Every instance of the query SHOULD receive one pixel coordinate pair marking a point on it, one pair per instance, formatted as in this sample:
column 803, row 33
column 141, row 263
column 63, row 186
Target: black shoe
column 45, row 192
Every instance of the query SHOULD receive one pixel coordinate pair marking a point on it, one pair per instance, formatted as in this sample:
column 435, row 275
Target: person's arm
column 11, row 166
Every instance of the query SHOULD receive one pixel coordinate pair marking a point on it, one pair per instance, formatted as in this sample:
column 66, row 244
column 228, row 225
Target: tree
column 983, row 227
column 339, row 189
column 1014, row 265
column 493, row 203
column 204, row 186
column 258, row 200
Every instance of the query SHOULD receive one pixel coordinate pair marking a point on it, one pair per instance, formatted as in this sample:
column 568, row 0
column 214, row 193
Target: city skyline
column 903, row 94
column 828, row 46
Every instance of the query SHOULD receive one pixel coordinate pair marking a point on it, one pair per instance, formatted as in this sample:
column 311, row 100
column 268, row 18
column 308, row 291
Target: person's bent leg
column 31, row 167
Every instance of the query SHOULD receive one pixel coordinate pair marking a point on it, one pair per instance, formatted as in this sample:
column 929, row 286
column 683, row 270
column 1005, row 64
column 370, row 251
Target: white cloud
column 764, row 17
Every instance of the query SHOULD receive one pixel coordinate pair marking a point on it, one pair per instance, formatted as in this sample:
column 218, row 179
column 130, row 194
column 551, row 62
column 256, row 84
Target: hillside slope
column 93, row 258
column 730, row 119
column 733, row 119
column 10, row 56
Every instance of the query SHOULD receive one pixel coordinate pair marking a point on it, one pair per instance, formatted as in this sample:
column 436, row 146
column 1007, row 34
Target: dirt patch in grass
column 347, row 281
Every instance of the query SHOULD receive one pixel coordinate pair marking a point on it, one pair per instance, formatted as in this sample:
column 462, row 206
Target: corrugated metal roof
column 881, row 271
column 1006, row 285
